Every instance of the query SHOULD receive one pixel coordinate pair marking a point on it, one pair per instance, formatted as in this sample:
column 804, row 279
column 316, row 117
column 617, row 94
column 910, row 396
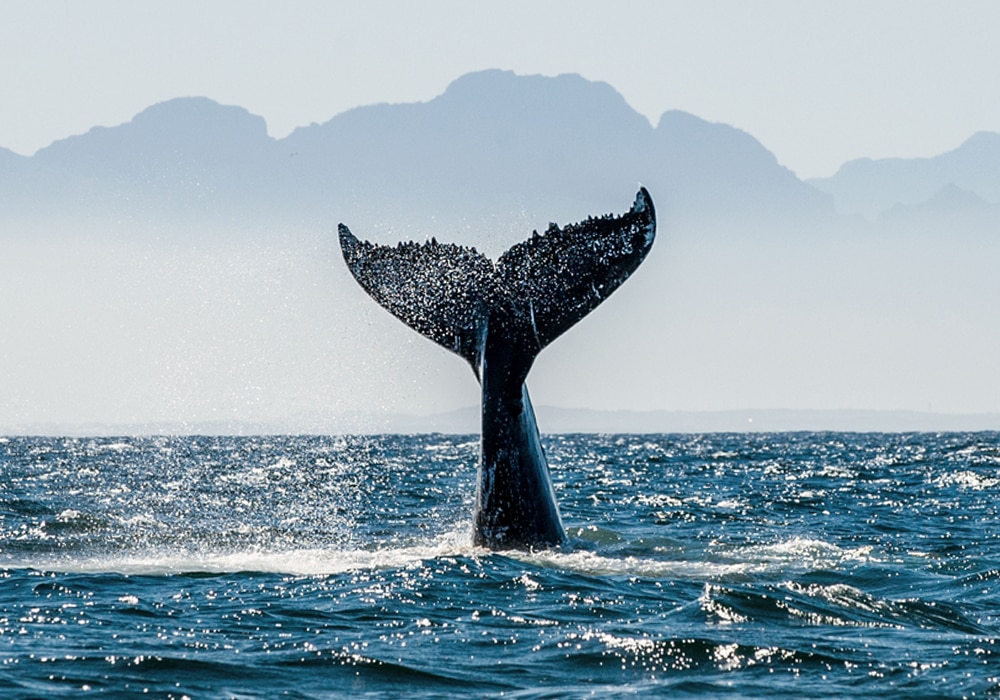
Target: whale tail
column 537, row 290
column 499, row 316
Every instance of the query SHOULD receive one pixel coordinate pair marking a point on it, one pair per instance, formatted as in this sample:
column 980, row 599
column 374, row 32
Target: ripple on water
column 780, row 565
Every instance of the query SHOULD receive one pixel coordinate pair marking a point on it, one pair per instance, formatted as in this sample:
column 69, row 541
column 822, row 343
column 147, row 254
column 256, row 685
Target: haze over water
column 181, row 272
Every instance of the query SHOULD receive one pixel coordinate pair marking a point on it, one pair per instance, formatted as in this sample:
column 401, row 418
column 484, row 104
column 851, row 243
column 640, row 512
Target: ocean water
column 769, row 565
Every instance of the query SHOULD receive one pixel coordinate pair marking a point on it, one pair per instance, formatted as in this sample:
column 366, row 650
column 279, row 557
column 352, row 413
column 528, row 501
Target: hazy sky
column 819, row 83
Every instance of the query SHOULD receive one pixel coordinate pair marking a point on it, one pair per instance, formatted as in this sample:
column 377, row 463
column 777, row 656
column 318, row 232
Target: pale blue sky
column 819, row 83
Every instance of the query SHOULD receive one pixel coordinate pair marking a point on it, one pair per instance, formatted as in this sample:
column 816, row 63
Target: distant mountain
column 174, row 157
column 871, row 187
column 950, row 209
column 495, row 139
column 492, row 143
column 709, row 167
column 8, row 157
column 491, row 140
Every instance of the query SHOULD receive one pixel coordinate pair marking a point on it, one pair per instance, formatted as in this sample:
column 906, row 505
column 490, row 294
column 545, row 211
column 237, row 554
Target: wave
column 793, row 556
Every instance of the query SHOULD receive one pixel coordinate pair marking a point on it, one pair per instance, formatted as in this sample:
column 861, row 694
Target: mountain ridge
column 491, row 142
column 871, row 187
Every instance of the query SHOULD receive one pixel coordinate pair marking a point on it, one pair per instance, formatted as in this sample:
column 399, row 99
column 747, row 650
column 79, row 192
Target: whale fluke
column 498, row 317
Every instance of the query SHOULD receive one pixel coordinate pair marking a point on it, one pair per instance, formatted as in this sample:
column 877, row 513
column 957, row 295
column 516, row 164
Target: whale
column 498, row 316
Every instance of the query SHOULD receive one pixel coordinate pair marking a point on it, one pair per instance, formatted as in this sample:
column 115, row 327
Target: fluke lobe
column 498, row 316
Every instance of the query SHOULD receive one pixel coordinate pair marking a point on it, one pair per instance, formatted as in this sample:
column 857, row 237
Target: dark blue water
column 788, row 565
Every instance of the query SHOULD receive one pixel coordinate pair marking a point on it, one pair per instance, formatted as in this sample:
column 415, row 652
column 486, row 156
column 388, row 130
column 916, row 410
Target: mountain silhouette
column 8, row 157
column 870, row 187
column 952, row 209
column 708, row 167
column 491, row 140
column 493, row 143
column 183, row 155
